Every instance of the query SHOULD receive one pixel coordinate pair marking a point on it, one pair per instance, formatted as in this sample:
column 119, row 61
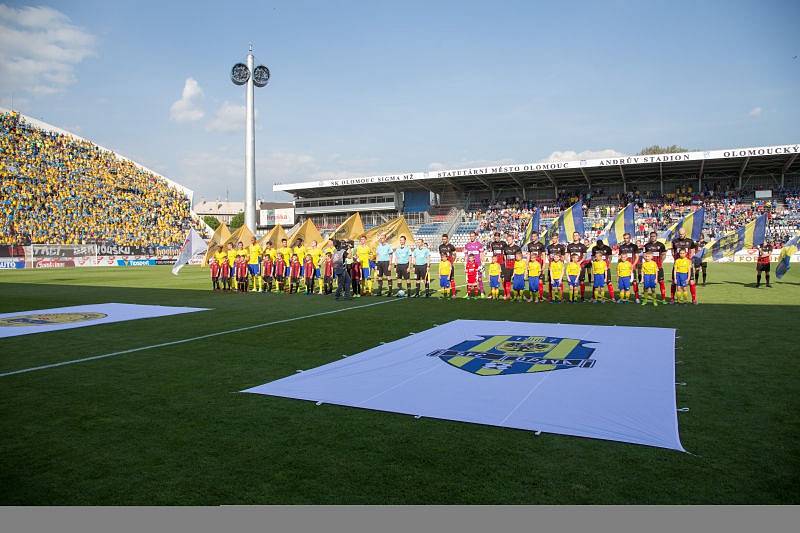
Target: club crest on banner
column 497, row 355
column 46, row 319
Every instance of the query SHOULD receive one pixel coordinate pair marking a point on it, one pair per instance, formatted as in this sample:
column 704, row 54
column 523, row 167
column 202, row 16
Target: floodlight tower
column 245, row 74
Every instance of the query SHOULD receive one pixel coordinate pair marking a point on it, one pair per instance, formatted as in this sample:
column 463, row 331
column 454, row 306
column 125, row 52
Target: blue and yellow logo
column 46, row 319
column 498, row 355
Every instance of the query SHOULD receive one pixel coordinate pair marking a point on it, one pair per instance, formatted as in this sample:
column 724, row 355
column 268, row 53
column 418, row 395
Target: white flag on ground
column 570, row 379
column 192, row 246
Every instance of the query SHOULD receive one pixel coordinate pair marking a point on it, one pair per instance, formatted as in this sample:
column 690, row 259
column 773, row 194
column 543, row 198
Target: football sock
column 693, row 290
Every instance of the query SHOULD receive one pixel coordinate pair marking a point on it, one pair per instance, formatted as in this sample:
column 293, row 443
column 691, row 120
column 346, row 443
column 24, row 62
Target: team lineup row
column 523, row 272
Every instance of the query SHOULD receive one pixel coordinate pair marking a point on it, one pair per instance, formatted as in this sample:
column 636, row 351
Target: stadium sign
column 272, row 217
column 136, row 262
column 542, row 166
column 11, row 265
column 57, row 250
column 110, row 249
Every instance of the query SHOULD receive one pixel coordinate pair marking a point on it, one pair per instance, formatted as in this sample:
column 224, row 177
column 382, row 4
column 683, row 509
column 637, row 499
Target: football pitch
column 166, row 426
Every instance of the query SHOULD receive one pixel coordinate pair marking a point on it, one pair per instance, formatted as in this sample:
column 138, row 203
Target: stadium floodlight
column 246, row 74
column 240, row 74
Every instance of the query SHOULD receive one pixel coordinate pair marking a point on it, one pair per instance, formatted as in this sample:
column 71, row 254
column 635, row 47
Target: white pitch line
column 192, row 339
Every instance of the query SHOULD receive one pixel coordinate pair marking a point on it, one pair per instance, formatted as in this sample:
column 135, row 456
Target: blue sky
column 376, row 87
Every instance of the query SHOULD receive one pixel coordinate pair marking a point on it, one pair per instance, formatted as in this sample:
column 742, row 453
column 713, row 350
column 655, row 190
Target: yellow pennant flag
column 220, row 235
column 393, row 230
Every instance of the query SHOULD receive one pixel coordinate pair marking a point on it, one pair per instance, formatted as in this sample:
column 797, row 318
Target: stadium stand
column 58, row 188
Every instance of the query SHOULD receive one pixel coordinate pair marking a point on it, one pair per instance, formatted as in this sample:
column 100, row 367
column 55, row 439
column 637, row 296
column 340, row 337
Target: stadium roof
column 713, row 164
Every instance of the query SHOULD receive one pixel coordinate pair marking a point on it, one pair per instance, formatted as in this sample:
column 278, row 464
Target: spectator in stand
column 57, row 188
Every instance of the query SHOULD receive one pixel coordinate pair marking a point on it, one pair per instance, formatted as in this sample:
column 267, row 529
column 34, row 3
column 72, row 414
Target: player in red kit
column 215, row 271
column 327, row 273
column 471, row 267
column 267, row 269
column 280, row 272
column 762, row 264
column 294, row 274
column 355, row 277
column 309, row 271
column 225, row 275
column 240, row 266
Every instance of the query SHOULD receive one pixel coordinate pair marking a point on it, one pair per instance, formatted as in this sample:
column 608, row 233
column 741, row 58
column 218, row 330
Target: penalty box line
column 192, row 339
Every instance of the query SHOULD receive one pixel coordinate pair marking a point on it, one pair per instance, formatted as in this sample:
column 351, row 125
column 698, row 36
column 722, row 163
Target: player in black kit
column 659, row 251
column 577, row 247
column 496, row 247
column 447, row 252
column 699, row 261
column 510, row 251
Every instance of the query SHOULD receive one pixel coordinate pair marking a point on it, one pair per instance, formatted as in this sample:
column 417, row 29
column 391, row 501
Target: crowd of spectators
column 724, row 212
column 57, row 188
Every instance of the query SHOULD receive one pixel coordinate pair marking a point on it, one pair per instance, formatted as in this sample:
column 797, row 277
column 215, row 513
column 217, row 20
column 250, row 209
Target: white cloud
column 188, row 109
column 469, row 163
column 229, row 117
column 563, row 155
column 210, row 174
column 572, row 155
column 755, row 112
column 39, row 49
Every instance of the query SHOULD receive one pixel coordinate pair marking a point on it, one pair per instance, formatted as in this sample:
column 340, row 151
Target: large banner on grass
column 77, row 316
column 613, row 383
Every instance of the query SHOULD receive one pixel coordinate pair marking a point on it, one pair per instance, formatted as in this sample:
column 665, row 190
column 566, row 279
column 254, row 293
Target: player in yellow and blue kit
column 624, row 273
column 445, row 268
column 285, row 252
column 518, row 276
column 534, row 278
column 599, row 277
column 683, row 272
column 231, row 253
column 494, row 272
column 254, row 264
column 364, row 256
column 574, row 276
column 649, row 275
column 556, row 271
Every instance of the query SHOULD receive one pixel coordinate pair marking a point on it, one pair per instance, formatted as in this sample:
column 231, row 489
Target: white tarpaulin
column 605, row 382
column 78, row 316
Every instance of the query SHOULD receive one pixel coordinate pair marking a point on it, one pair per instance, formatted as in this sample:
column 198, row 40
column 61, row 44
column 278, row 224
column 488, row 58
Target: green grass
column 165, row 426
